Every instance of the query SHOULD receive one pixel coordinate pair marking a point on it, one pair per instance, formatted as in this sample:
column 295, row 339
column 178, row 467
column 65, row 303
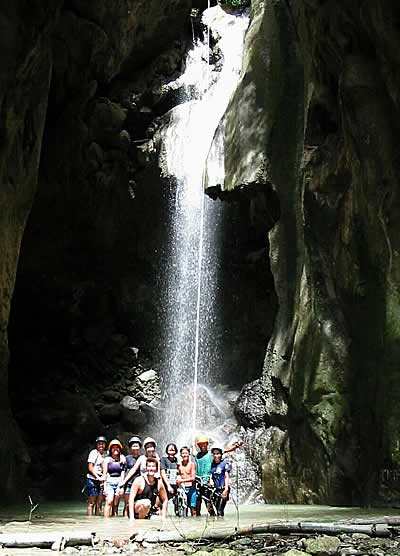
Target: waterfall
column 189, row 349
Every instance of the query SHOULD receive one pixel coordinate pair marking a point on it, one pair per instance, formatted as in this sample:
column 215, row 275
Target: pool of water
column 71, row 517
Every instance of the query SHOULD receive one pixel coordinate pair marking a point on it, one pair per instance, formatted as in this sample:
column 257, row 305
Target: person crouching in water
column 114, row 473
column 219, row 479
column 144, row 492
column 94, row 477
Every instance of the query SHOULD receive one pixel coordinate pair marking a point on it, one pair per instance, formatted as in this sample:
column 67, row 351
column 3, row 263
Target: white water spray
column 192, row 257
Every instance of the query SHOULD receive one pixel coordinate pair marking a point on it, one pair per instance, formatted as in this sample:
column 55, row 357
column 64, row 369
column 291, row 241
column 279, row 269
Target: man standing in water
column 187, row 479
column 144, row 493
column 203, row 464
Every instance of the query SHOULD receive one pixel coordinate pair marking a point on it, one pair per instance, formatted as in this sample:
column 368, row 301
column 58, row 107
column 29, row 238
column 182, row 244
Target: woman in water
column 134, row 446
column 94, row 477
column 114, row 472
column 149, row 445
column 169, row 469
column 219, row 479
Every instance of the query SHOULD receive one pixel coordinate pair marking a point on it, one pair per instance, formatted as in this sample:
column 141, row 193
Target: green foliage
column 194, row 12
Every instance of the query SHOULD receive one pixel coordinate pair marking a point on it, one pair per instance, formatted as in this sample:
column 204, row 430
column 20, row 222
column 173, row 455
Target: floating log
column 46, row 540
column 281, row 527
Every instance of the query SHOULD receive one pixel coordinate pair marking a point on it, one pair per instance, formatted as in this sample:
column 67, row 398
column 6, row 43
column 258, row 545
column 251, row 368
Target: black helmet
column 101, row 439
column 134, row 439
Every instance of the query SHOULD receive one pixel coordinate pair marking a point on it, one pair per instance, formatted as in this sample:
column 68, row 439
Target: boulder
column 133, row 419
column 107, row 120
column 148, row 376
column 322, row 546
column 110, row 413
column 111, row 396
column 146, row 386
column 130, row 403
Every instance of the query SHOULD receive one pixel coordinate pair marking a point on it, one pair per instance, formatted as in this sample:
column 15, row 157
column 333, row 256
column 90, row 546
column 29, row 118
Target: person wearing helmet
column 94, row 477
column 203, row 465
column 219, row 480
column 114, row 472
column 203, row 469
column 134, row 446
column 149, row 445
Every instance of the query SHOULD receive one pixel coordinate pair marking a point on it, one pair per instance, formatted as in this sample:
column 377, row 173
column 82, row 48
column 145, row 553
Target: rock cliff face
column 25, row 66
column 56, row 59
column 311, row 167
column 322, row 91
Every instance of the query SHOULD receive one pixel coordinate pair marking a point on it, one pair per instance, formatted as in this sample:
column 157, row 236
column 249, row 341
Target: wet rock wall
column 56, row 59
column 328, row 100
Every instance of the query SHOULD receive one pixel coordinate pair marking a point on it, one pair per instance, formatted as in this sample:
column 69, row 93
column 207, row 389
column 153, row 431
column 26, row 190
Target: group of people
column 146, row 482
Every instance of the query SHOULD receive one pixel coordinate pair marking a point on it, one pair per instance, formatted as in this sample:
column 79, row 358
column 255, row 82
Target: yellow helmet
column 115, row 442
column 202, row 439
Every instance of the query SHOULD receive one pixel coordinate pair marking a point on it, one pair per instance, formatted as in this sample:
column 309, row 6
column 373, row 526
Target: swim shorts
column 93, row 487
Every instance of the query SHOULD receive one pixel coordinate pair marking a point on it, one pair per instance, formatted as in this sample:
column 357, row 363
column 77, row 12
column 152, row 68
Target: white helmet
column 149, row 440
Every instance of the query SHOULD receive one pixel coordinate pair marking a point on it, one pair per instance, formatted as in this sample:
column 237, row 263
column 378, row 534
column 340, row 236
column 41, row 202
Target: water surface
column 71, row 517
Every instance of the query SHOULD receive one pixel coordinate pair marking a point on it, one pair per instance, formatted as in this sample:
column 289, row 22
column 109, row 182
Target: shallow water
column 71, row 517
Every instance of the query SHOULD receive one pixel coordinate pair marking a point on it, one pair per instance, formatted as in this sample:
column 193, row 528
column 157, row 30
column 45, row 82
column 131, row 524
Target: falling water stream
column 190, row 343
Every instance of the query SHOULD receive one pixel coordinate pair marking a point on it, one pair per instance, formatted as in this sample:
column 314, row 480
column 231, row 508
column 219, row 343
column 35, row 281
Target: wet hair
column 184, row 448
column 172, row 444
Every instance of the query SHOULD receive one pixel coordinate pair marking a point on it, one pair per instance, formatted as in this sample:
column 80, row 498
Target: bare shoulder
column 139, row 483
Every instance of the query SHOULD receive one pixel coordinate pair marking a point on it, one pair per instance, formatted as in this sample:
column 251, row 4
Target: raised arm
column 234, row 446
column 132, row 472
